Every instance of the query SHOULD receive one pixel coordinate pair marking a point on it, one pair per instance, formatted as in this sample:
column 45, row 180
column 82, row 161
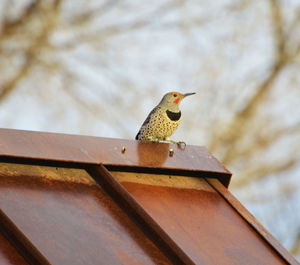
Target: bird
column 163, row 120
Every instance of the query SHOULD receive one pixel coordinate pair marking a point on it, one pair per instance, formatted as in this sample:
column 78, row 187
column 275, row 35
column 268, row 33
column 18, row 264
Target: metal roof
column 69, row 199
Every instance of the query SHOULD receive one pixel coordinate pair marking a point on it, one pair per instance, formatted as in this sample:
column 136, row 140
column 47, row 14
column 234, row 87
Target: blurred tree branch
column 237, row 128
column 10, row 27
column 296, row 246
column 266, row 169
column 264, row 141
column 88, row 15
column 47, row 15
column 109, row 31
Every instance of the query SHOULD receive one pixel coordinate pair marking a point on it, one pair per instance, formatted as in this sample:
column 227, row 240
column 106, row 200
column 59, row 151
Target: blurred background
column 99, row 67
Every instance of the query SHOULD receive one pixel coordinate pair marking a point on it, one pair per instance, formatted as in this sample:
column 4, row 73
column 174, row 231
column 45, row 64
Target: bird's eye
column 175, row 95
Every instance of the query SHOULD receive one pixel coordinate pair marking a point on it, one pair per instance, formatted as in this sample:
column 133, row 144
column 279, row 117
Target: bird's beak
column 188, row 94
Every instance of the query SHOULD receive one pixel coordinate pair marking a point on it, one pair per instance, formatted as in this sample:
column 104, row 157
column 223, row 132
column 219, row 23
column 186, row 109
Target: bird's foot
column 180, row 144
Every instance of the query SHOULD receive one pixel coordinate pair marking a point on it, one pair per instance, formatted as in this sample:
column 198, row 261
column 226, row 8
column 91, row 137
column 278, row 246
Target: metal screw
column 171, row 152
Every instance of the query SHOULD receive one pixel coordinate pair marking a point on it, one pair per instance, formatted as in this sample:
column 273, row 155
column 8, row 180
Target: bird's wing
column 146, row 121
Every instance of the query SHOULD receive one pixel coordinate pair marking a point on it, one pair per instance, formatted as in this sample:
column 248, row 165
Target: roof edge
column 130, row 154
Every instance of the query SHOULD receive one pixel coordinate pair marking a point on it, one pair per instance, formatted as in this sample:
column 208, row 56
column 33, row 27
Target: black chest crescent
column 174, row 116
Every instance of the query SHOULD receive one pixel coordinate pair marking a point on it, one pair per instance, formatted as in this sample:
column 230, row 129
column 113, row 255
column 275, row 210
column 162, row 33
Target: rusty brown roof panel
column 58, row 219
column 192, row 218
column 251, row 220
column 202, row 226
column 108, row 151
column 8, row 254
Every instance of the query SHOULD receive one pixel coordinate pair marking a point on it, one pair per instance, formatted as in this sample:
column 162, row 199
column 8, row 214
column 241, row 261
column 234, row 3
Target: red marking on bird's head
column 176, row 100
column 177, row 96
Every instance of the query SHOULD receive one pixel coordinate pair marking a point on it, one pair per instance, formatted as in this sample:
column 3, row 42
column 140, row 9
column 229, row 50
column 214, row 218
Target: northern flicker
column 163, row 120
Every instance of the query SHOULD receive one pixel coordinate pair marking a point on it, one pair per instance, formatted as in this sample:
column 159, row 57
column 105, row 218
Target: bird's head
column 172, row 100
